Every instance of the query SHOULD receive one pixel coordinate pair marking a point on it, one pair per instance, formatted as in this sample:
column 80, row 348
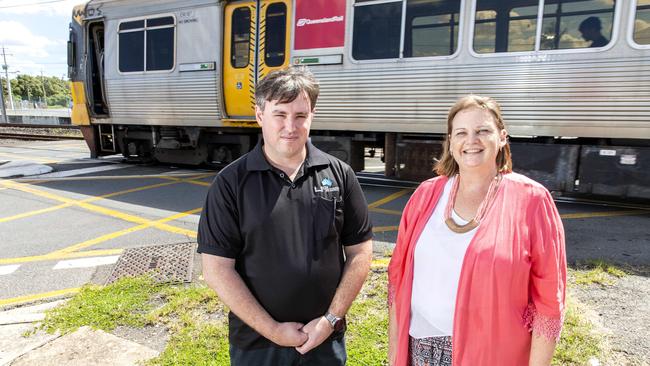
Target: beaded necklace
column 480, row 213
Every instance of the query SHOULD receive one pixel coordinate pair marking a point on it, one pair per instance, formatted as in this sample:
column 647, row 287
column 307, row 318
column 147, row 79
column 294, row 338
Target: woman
column 479, row 271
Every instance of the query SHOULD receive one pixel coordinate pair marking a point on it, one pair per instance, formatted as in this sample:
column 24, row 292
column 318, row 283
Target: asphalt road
column 58, row 231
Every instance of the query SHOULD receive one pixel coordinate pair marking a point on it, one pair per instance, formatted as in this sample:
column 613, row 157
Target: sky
column 34, row 34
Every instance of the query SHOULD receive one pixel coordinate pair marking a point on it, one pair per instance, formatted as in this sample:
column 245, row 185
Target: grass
column 579, row 342
column 598, row 272
column 125, row 302
column 198, row 329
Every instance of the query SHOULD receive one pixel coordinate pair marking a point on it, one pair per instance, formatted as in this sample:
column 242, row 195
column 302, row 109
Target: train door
column 256, row 42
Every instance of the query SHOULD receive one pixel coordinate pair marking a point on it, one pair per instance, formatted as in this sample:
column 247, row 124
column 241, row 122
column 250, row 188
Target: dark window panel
column 132, row 25
column 131, row 51
column 157, row 22
column 275, row 35
column 431, row 28
column 376, row 33
column 160, row 49
column 240, row 41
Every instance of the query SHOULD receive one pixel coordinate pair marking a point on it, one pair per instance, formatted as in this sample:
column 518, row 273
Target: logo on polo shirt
column 326, row 186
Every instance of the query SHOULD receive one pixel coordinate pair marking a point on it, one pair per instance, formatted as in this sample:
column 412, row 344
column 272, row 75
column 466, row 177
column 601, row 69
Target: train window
column 131, row 46
column 432, row 28
column 160, row 49
column 577, row 24
column 240, row 41
column 146, row 45
column 642, row 22
column 377, row 30
column 157, row 22
column 132, row 25
column 275, row 34
column 499, row 27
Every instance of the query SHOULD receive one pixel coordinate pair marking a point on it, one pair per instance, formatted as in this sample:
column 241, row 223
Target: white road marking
column 86, row 262
column 74, row 172
column 5, row 270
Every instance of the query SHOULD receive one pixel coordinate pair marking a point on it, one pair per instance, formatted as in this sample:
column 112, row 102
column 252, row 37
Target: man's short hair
column 286, row 85
column 591, row 23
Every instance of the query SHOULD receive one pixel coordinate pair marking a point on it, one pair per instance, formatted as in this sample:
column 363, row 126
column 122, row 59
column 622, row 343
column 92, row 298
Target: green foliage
column 124, row 302
column 598, row 272
column 367, row 335
column 28, row 87
column 579, row 341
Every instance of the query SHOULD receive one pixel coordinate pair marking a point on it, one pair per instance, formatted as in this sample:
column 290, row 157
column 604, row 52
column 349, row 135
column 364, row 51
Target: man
column 285, row 236
column 590, row 29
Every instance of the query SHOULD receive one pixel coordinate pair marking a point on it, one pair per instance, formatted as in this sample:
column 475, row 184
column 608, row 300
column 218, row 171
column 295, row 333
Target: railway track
column 15, row 131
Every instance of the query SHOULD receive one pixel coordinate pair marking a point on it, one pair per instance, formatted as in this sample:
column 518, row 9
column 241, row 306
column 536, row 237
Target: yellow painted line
column 587, row 215
column 51, row 257
column 99, row 209
column 382, row 229
column 389, row 198
column 29, row 158
column 386, row 211
column 380, row 263
column 103, row 238
column 41, row 296
column 91, row 199
column 106, row 177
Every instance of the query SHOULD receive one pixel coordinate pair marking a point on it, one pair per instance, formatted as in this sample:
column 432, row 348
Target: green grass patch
column 124, row 302
column 598, row 272
column 197, row 322
column 579, row 341
column 367, row 334
column 196, row 344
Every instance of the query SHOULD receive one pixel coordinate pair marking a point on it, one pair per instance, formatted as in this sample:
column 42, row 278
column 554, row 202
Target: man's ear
column 258, row 115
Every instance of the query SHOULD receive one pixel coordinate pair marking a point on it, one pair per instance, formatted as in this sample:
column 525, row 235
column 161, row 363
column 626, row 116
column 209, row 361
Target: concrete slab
column 87, row 347
column 27, row 314
column 13, row 344
column 15, row 323
column 23, row 168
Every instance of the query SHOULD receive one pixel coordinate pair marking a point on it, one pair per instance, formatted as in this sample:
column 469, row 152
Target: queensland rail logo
column 326, row 186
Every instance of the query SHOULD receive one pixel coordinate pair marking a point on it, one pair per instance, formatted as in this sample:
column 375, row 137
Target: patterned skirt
column 433, row 351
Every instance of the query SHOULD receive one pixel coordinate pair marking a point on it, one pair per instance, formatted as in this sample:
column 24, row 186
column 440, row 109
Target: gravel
column 623, row 313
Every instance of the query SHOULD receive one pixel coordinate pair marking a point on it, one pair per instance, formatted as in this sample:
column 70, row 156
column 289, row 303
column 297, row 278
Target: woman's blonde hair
column 447, row 165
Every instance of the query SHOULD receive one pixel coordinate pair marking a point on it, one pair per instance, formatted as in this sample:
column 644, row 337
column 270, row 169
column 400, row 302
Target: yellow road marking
column 386, row 211
column 34, row 297
column 91, row 199
column 99, row 209
column 107, row 177
column 51, row 257
column 381, row 229
column 116, row 234
column 30, row 158
column 389, row 198
column 379, row 263
column 587, row 215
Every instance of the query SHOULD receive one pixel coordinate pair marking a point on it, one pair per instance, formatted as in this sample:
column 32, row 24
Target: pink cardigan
column 512, row 280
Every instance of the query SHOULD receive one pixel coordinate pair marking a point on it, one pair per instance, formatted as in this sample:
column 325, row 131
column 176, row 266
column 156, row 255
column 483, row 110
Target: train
column 173, row 81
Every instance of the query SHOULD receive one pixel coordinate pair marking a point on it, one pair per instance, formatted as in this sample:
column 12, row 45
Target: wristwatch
column 336, row 322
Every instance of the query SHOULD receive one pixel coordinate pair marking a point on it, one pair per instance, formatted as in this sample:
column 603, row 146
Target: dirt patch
column 623, row 310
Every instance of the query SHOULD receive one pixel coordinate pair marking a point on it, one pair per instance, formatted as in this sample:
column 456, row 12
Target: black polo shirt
column 286, row 237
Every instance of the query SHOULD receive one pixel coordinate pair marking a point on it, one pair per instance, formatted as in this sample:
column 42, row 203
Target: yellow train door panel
column 256, row 41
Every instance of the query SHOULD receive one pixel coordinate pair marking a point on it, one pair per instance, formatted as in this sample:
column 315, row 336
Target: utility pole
column 43, row 84
column 2, row 102
column 6, row 68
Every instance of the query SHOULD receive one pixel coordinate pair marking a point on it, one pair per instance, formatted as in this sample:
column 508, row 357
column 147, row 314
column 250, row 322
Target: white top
column 437, row 261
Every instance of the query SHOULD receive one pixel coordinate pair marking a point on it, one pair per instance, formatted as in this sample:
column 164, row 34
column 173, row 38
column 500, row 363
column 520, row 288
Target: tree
column 29, row 87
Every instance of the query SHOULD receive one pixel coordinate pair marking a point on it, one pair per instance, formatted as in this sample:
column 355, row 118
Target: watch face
column 339, row 325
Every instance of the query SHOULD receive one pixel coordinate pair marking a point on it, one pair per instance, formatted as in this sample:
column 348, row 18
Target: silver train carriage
column 173, row 81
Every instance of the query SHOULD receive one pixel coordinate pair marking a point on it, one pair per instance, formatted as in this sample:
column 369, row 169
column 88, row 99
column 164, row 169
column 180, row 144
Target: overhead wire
column 30, row 4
